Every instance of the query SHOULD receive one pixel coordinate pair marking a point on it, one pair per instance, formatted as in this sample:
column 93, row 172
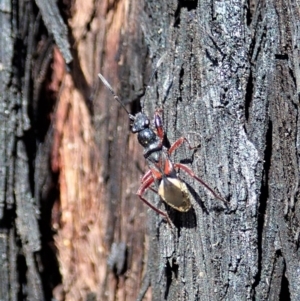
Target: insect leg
column 178, row 143
column 145, row 177
column 144, row 186
column 159, row 126
column 192, row 174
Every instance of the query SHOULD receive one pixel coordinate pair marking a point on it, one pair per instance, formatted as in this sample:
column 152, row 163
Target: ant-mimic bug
column 162, row 171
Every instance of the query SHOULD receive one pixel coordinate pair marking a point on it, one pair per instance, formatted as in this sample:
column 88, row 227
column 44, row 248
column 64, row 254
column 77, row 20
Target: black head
column 140, row 122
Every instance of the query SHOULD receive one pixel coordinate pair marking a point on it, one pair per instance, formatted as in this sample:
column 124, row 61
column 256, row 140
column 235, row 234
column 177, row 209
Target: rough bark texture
column 71, row 225
column 21, row 241
column 230, row 84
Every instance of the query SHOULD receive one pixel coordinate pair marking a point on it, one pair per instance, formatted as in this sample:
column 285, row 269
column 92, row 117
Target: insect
column 162, row 171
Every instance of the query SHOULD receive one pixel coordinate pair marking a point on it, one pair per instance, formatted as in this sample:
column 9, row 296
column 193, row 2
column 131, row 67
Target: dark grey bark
column 229, row 83
column 24, row 271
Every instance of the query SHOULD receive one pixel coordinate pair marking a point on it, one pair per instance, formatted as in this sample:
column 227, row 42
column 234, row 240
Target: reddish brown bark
column 98, row 182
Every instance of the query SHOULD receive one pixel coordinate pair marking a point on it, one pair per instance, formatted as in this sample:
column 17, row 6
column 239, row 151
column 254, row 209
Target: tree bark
column 72, row 227
column 23, row 177
column 230, row 83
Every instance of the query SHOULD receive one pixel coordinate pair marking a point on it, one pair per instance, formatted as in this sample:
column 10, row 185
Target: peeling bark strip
column 56, row 26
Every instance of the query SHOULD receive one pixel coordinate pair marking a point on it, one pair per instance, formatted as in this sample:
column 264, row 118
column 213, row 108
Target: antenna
column 159, row 62
column 116, row 97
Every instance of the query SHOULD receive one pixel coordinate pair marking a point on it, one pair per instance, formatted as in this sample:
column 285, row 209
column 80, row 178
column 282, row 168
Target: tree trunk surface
column 226, row 76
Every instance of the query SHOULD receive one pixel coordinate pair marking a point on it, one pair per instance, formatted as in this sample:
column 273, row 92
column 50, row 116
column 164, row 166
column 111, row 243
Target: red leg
column 158, row 125
column 146, row 176
column 144, row 186
column 191, row 173
column 178, row 143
